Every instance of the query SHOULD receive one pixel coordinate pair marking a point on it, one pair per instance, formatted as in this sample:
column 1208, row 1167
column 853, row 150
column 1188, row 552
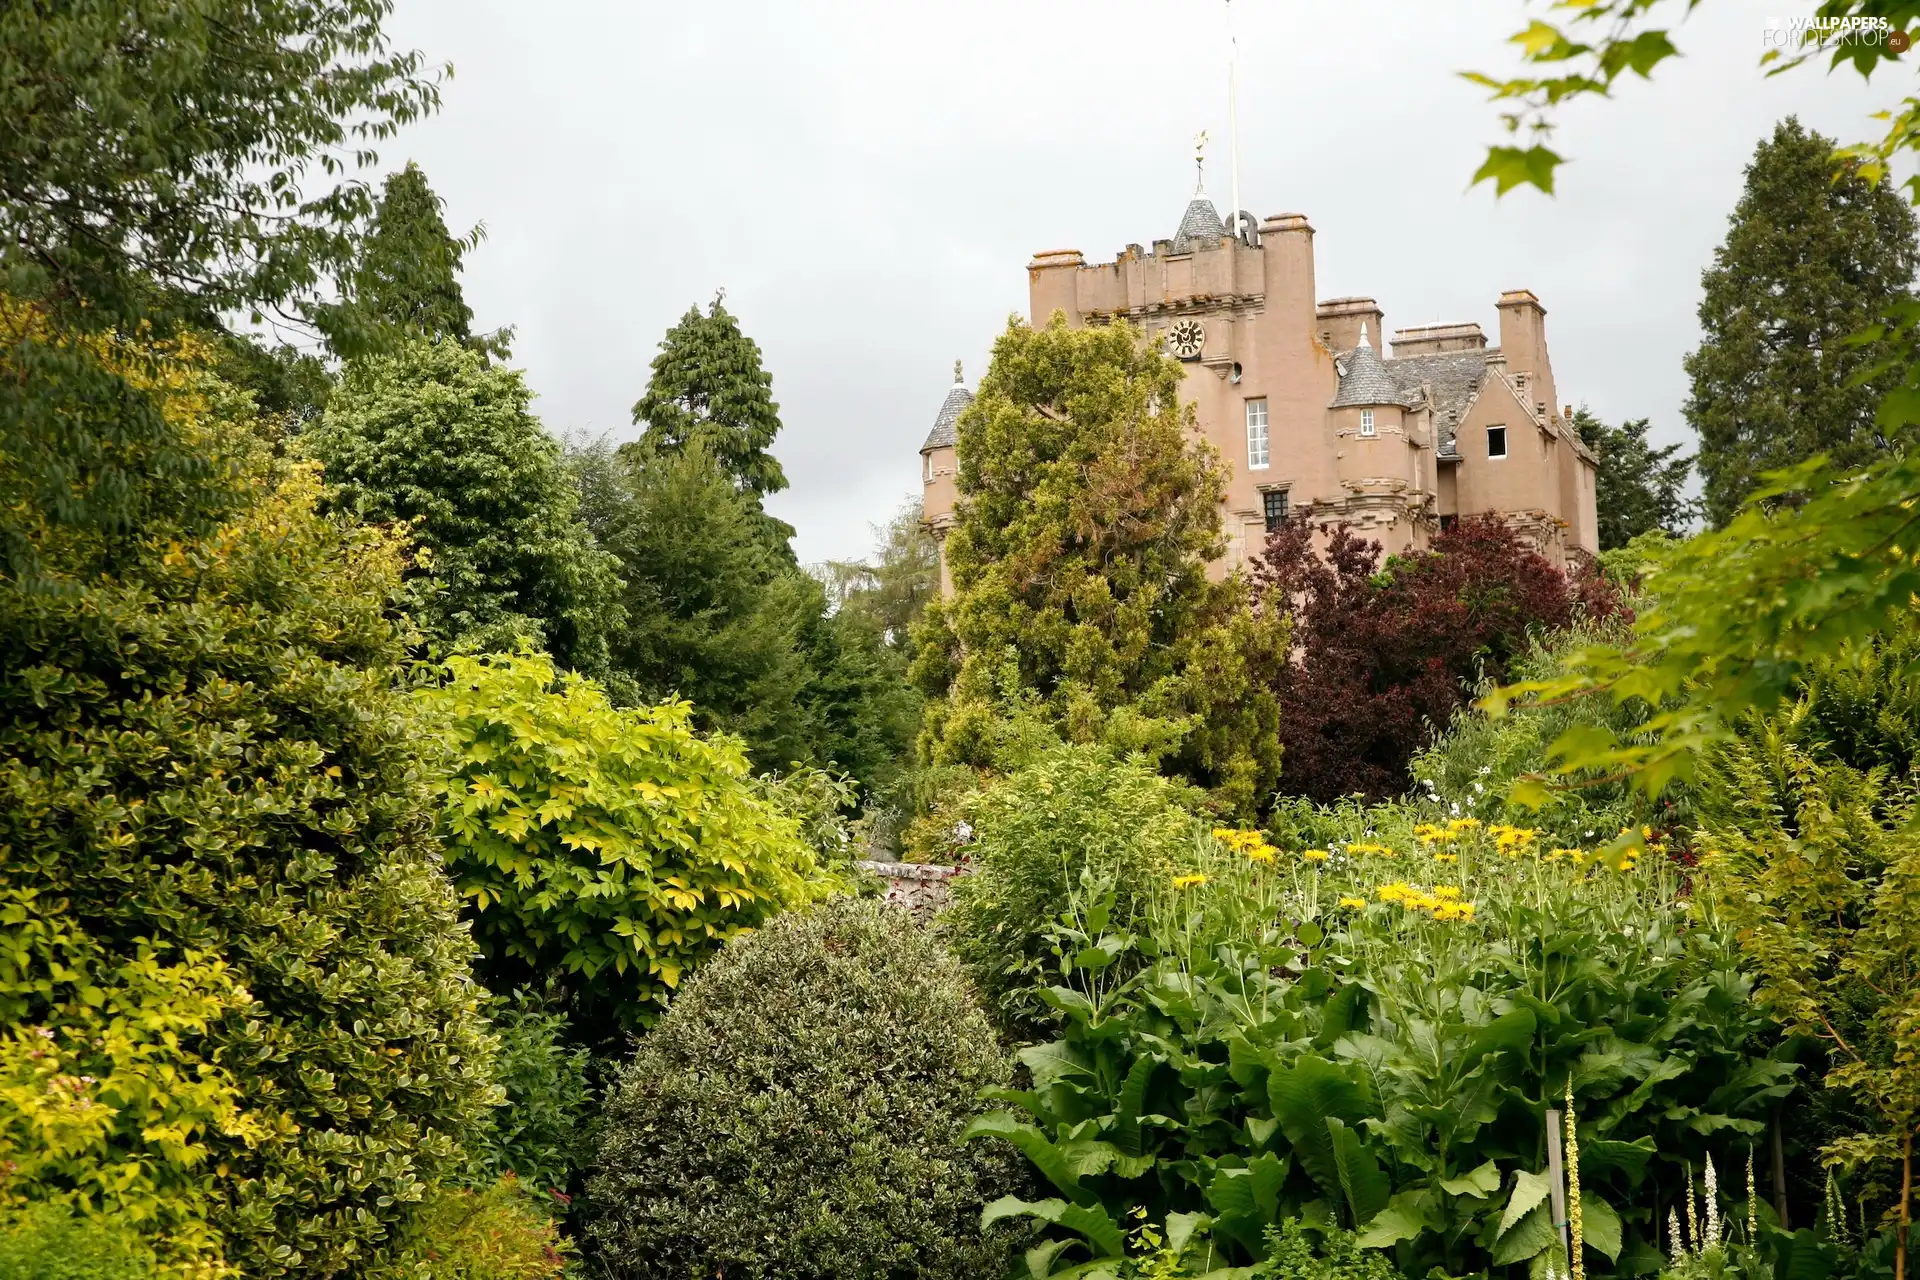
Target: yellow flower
column 1356, row 904
column 1395, row 892
column 1315, row 855
column 1446, row 891
column 1188, row 882
column 1263, row 854
column 1446, row 857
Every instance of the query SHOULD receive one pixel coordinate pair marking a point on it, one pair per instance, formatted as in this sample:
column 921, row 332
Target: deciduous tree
column 432, row 435
column 1385, row 654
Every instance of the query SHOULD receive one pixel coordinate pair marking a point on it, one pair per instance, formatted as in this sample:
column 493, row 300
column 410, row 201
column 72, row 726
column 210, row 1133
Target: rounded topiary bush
column 798, row 1113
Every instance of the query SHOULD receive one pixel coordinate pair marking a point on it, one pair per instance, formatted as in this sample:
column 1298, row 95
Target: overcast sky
column 867, row 182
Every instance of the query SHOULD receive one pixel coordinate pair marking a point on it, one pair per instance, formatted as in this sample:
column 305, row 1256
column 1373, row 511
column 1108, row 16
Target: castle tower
column 940, row 471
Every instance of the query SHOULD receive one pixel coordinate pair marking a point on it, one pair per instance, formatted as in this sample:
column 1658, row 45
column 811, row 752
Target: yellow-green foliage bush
column 1072, row 812
column 614, row 846
column 238, row 997
column 499, row 1232
column 53, row 1242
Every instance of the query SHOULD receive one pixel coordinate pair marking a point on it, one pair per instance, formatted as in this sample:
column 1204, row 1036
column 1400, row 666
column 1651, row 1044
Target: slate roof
column 1455, row 377
column 1202, row 222
column 942, row 435
column 1364, row 380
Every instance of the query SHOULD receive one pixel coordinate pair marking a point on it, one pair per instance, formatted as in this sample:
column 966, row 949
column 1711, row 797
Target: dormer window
column 1496, row 442
column 1366, row 422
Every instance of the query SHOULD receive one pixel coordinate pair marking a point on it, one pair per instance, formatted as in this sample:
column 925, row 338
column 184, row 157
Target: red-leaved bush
column 1384, row 655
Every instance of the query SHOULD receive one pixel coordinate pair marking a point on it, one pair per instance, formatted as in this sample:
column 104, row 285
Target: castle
column 1309, row 415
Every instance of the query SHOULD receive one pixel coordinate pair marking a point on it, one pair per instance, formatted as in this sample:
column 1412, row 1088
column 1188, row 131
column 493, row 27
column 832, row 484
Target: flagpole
column 1233, row 119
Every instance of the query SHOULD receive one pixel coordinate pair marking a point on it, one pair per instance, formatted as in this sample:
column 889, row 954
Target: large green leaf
column 1181, row 1228
column 1528, row 1236
column 1600, row 1225
column 1304, row 1097
column 1483, row 1181
column 1133, row 1097
column 1049, row 1159
column 1599, row 1155
column 1102, row 1232
column 1054, row 1061
column 1508, row 1033
column 1529, row 1189
column 1340, row 1013
column 1365, row 1186
column 1407, row 1215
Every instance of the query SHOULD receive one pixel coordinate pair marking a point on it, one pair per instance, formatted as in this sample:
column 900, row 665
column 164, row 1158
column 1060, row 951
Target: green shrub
column 52, row 1242
column 226, row 929
column 540, row 1133
column 797, row 1114
column 1470, row 770
column 431, row 434
column 608, row 849
column 1074, row 811
column 500, row 1232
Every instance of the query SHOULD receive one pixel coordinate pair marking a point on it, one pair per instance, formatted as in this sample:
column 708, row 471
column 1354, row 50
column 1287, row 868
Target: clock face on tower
column 1185, row 338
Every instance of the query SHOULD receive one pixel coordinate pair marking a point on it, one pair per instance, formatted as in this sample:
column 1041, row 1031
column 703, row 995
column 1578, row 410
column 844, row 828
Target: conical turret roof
column 1364, row 379
column 958, row 398
column 1201, row 222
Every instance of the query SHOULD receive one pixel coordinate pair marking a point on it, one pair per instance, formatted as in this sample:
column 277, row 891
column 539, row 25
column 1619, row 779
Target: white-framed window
column 1257, row 451
column 926, row 476
column 1366, row 422
column 1496, row 442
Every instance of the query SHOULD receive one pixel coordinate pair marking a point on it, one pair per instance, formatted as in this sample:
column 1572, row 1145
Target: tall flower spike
column 1710, row 1203
column 1675, row 1245
column 1576, row 1261
column 1753, row 1205
column 1693, row 1219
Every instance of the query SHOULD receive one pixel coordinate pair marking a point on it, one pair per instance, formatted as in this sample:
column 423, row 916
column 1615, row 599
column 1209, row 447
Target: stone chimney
column 1052, row 284
column 1286, row 244
column 1523, row 341
column 1339, row 320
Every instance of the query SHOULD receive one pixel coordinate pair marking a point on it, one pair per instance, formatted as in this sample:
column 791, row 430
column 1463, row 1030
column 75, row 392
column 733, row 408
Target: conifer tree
column 1637, row 488
column 708, row 386
column 1808, row 260
column 1087, row 517
column 407, row 278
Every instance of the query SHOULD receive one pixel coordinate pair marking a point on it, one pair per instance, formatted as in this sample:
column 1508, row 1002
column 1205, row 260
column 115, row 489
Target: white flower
column 962, row 832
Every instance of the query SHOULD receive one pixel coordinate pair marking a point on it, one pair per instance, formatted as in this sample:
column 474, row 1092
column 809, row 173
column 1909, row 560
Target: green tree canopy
column 717, row 616
column 434, row 435
column 407, row 278
column 1637, row 488
column 1087, row 516
column 161, row 162
column 1808, row 260
column 890, row 589
column 708, row 386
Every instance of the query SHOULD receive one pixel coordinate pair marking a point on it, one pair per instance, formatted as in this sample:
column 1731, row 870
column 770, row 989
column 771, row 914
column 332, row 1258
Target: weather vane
column 1200, row 162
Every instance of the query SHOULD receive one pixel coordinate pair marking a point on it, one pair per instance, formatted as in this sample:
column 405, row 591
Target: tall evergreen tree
column 407, row 278
column 1808, row 260
column 717, row 614
column 1087, row 516
column 1637, row 487
column 708, row 385
column 433, row 435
